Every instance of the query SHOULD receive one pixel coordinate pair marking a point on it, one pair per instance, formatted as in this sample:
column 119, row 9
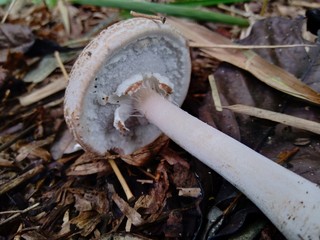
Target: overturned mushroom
column 124, row 91
column 98, row 105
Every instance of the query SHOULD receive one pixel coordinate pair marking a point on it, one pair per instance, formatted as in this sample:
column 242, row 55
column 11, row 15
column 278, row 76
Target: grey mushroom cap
column 127, row 49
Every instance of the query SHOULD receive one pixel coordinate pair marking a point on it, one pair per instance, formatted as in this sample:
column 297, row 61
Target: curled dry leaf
column 14, row 38
column 248, row 60
column 299, row 61
column 34, row 148
column 89, row 163
column 144, row 154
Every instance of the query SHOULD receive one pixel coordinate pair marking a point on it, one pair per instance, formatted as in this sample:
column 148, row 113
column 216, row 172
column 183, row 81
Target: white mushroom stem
column 291, row 202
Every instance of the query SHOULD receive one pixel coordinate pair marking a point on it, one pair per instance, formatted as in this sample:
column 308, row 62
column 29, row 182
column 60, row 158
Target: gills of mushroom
column 125, row 90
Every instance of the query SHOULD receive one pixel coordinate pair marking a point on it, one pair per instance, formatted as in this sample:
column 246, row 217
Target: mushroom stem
column 291, row 202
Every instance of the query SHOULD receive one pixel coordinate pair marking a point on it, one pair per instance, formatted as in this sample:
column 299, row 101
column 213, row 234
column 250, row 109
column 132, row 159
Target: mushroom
column 125, row 90
column 98, row 106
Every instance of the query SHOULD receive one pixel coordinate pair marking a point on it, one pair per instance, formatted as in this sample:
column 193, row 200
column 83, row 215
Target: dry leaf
column 248, row 60
column 14, row 38
column 86, row 222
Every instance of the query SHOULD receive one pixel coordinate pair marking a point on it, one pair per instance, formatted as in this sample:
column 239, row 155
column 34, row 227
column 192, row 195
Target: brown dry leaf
column 34, row 148
column 183, row 177
column 173, row 158
column 33, row 235
column 89, row 168
column 143, row 155
column 6, row 163
column 174, row 225
column 155, row 201
column 14, row 38
column 86, row 222
column 286, row 155
column 123, row 236
column 89, row 163
column 87, row 200
column 303, row 62
column 246, row 59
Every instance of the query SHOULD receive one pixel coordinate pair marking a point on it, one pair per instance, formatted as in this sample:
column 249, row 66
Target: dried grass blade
column 64, row 15
column 215, row 93
column 122, row 181
column 276, row 117
column 39, row 94
column 266, row 72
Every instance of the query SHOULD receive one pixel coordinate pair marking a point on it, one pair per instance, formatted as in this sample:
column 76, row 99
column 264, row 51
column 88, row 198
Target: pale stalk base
column 291, row 202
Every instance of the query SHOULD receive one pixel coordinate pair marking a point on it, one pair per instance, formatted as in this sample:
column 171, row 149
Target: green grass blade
column 168, row 9
column 3, row 2
column 192, row 3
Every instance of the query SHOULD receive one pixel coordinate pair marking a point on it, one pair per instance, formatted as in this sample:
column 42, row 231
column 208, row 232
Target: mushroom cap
column 132, row 47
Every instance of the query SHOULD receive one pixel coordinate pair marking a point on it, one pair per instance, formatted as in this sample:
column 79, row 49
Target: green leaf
column 3, row 2
column 49, row 3
column 168, row 9
column 205, row 2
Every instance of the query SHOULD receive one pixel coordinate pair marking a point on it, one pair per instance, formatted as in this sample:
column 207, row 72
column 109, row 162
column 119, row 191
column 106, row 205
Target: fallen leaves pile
column 51, row 189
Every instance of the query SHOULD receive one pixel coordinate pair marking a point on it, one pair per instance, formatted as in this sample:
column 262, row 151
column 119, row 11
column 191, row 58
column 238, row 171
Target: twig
column 153, row 17
column 61, row 66
column 147, row 173
column 21, row 211
column 8, row 11
column 276, row 117
column 144, row 181
column 20, row 179
column 264, row 7
column 234, row 11
column 17, row 214
column 189, row 192
column 122, row 181
column 14, row 139
column 39, row 94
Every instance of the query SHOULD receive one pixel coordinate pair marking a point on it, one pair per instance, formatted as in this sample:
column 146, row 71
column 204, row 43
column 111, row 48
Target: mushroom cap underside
column 128, row 48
